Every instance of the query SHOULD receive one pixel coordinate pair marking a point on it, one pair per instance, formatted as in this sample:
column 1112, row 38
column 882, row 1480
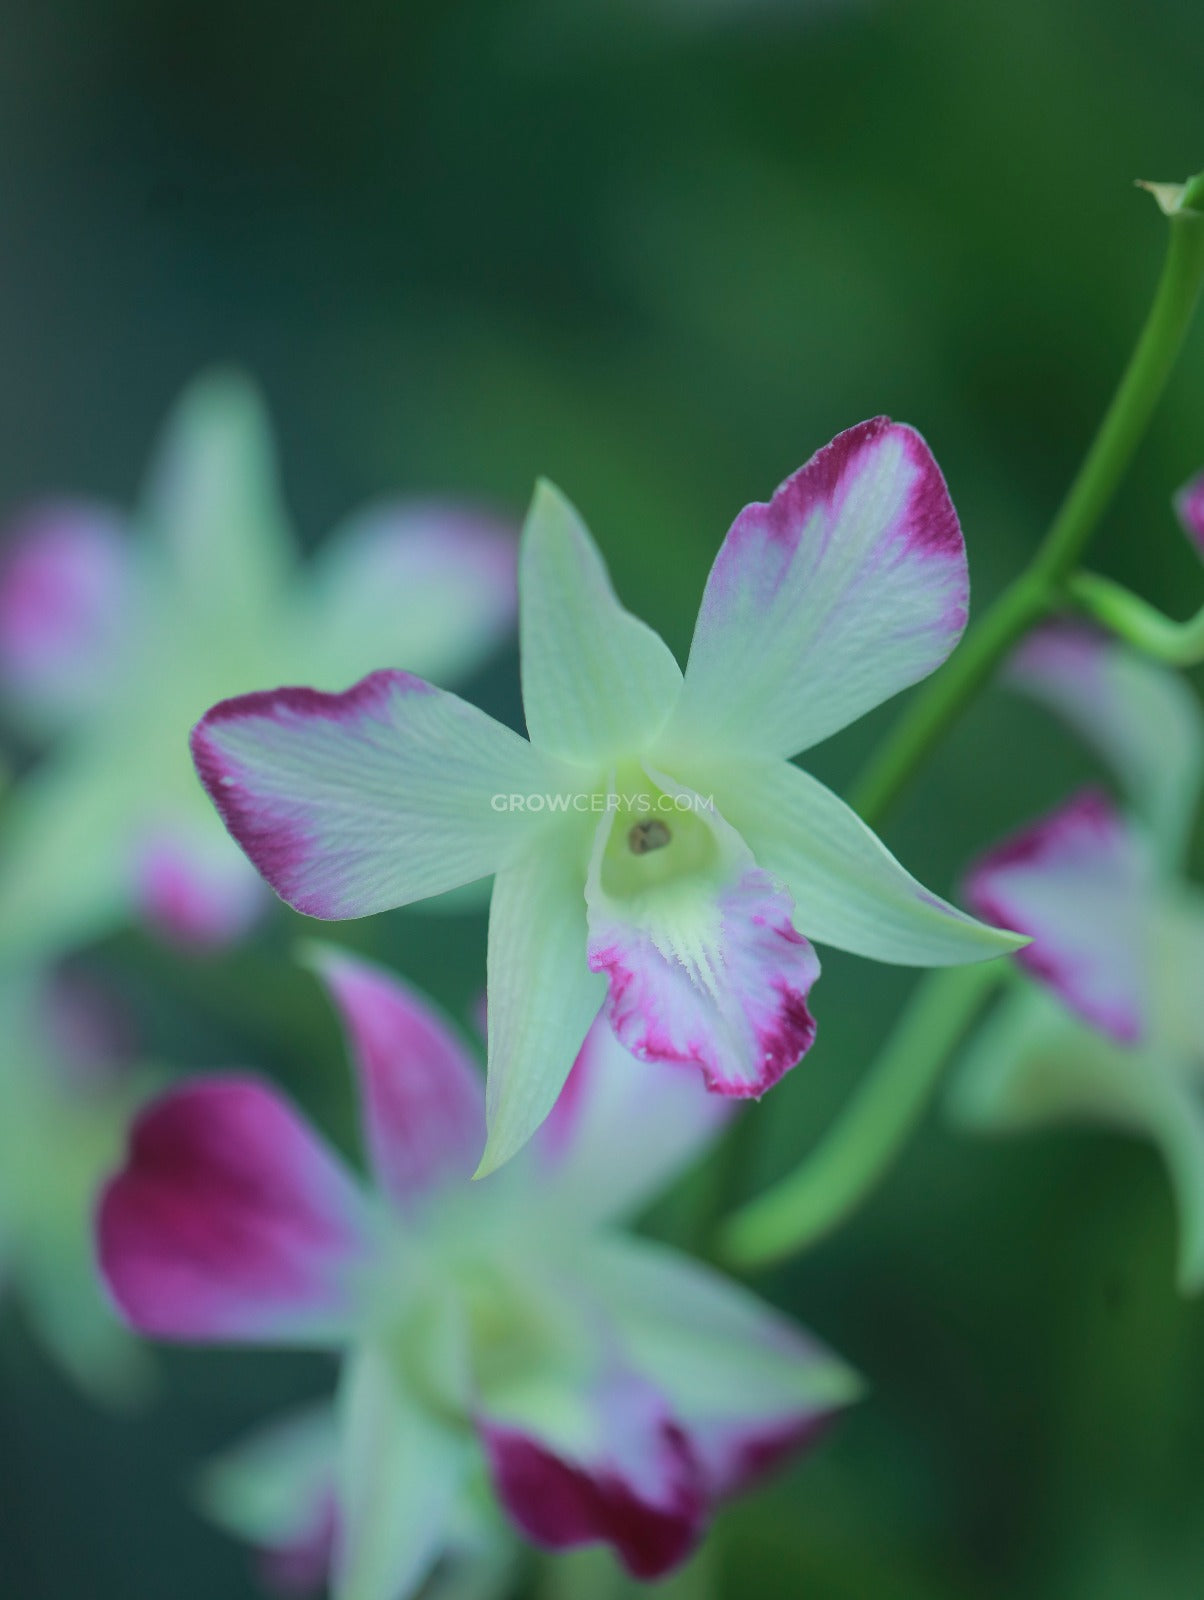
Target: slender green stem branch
column 1035, row 591
column 834, row 1180
column 1126, row 614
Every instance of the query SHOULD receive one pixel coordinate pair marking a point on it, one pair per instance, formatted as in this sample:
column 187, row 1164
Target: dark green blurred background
column 660, row 251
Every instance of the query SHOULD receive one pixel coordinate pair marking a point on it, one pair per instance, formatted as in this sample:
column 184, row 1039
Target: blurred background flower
column 507, row 1332
column 123, row 639
column 658, row 254
column 1112, row 1030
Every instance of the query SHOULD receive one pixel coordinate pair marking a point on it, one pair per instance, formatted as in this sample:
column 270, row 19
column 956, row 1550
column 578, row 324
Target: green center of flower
column 656, row 838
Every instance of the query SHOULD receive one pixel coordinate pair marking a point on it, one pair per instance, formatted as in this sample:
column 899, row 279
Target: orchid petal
column 622, row 1129
column 597, row 682
column 1177, row 963
column 231, row 1221
column 400, row 1473
column 429, row 586
column 423, row 1099
column 276, row 1492
column 1032, row 1063
column 1189, row 503
column 542, row 995
column 1080, row 883
column 66, row 872
column 849, row 891
column 65, row 598
column 212, row 504
column 849, row 585
column 704, row 965
column 63, row 1300
column 606, row 1463
column 353, row 803
column 1142, row 718
column 194, row 889
column 747, row 1386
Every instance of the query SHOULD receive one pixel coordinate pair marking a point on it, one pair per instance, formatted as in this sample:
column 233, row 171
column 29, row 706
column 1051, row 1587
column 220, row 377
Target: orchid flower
column 114, row 639
column 653, row 846
column 610, row 1389
column 277, row 1492
column 1109, row 1024
column 66, row 1093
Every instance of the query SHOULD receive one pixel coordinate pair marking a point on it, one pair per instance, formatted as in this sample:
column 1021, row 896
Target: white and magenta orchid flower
column 607, row 1387
column 1111, row 1026
column 653, row 845
column 67, row 1091
column 114, row 639
column 277, row 1491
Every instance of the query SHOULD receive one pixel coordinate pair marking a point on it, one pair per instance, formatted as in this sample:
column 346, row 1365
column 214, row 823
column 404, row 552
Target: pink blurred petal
column 636, row 1487
column 231, row 1221
column 197, row 894
column 1078, row 881
column 423, row 1099
column 64, row 599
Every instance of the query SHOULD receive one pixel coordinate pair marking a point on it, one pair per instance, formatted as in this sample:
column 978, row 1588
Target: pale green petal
column 542, row 995
column 849, row 891
column 61, row 1295
column 1033, row 1064
column 709, row 1345
column 66, row 836
column 401, row 1472
column 427, row 586
column 1178, row 972
column 268, row 1488
column 597, row 682
column 212, row 504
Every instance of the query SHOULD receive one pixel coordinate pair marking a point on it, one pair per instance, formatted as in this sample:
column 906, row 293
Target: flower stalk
column 1179, row 644
column 1036, row 590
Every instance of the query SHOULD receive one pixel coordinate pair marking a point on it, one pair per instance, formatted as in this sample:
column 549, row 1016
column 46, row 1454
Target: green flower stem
column 848, row 1165
column 1036, row 590
column 1179, row 643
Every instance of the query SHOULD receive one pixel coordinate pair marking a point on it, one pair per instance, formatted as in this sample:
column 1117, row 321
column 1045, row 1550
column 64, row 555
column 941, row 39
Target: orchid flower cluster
column 521, row 1361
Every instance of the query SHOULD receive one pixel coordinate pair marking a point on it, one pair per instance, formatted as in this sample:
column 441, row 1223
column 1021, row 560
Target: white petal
column 849, row 891
column 353, row 803
column 542, row 995
column 849, row 585
column 597, row 682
